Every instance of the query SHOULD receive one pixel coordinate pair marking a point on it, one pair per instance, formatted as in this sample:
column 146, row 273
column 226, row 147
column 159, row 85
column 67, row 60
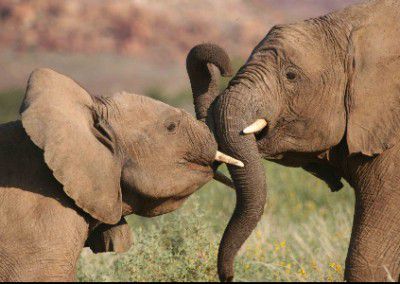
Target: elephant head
column 117, row 155
column 306, row 88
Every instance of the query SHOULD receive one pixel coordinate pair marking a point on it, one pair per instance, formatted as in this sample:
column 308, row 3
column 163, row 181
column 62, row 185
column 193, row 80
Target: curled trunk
column 203, row 76
column 250, row 181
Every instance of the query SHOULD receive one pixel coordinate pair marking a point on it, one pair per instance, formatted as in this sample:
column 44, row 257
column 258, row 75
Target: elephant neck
column 335, row 160
column 27, row 172
column 345, row 165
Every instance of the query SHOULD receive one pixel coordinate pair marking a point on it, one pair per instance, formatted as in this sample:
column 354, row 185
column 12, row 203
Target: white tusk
column 223, row 179
column 257, row 126
column 221, row 157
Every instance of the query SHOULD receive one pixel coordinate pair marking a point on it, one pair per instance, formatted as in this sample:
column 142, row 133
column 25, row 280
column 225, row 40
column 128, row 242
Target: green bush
column 156, row 251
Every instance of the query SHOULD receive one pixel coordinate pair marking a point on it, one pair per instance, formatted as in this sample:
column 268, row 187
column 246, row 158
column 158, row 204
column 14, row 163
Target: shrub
column 303, row 236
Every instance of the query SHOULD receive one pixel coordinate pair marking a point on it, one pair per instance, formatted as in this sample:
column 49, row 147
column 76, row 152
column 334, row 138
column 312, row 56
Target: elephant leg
column 374, row 251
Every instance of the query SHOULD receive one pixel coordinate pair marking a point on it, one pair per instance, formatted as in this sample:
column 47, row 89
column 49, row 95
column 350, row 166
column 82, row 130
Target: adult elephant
column 75, row 165
column 322, row 94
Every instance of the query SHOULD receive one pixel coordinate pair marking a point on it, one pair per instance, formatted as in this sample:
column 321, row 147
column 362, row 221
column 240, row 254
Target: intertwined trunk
column 250, row 181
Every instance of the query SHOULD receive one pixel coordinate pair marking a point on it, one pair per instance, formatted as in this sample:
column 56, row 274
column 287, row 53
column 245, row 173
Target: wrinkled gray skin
column 75, row 165
column 329, row 88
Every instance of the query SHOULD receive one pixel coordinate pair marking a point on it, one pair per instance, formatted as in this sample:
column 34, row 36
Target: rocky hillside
column 154, row 34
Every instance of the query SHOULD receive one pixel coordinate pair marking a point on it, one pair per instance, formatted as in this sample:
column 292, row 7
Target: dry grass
column 303, row 236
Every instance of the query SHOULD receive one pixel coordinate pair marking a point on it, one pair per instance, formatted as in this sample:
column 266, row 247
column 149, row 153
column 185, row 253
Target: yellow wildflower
column 302, row 272
column 314, row 264
column 288, row 267
column 336, row 267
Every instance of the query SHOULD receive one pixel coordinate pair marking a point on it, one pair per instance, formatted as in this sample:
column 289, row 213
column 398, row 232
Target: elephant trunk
column 203, row 76
column 227, row 122
column 250, row 181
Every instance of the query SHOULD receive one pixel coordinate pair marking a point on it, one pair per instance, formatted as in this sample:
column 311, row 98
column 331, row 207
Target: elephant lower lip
column 273, row 157
column 269, row 156
column 219, row 176
column 199, row 168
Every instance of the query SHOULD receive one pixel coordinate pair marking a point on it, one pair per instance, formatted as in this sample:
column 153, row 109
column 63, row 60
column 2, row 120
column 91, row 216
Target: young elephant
column 76, row 164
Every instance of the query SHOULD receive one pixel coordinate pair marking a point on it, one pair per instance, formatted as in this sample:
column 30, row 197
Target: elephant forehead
column 299, row 43
column 138, row 108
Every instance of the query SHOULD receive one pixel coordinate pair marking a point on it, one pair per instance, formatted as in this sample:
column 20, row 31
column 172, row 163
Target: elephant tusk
column 257, row 126
column 221, row 157
column 223, row 179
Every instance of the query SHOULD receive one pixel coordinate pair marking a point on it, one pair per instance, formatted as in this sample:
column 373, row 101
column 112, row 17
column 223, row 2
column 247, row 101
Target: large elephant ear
column 58, row 116
column 373, row 97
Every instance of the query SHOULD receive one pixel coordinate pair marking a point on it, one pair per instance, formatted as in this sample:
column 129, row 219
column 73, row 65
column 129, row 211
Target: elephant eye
column 291, row 75
column 171, row 126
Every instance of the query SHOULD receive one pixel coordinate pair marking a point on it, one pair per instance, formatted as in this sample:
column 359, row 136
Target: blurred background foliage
column 10, row 102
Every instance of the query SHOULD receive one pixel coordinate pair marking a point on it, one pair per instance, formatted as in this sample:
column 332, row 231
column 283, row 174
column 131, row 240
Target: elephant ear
column 110, row 238
column 58, row 116
column 373, row 91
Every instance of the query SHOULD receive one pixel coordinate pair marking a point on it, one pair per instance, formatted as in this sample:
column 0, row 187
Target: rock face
column 134, row 45
column 161, row 30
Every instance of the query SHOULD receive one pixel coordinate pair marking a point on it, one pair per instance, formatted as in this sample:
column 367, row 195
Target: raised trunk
column 250, row 181
column 203, row 77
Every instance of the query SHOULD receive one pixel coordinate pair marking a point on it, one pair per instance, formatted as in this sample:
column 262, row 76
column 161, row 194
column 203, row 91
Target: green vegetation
column 303, row 236
column 10, row 102
column 182, row 99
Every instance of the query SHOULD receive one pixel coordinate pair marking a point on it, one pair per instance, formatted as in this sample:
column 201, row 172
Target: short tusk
column 257, row 126
column 221, row 157
column 223, row 179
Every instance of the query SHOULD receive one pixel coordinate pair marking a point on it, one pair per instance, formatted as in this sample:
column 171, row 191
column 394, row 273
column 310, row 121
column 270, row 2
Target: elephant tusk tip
column 256, row 126
column 221, row 157
column 240, row 164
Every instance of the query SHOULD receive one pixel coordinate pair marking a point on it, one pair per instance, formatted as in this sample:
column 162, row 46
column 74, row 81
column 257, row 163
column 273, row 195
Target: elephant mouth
column 222, row 178
column 201, row 168
column 263, row 134
column 259, row 128
column 211, row 171
column 260, row 136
